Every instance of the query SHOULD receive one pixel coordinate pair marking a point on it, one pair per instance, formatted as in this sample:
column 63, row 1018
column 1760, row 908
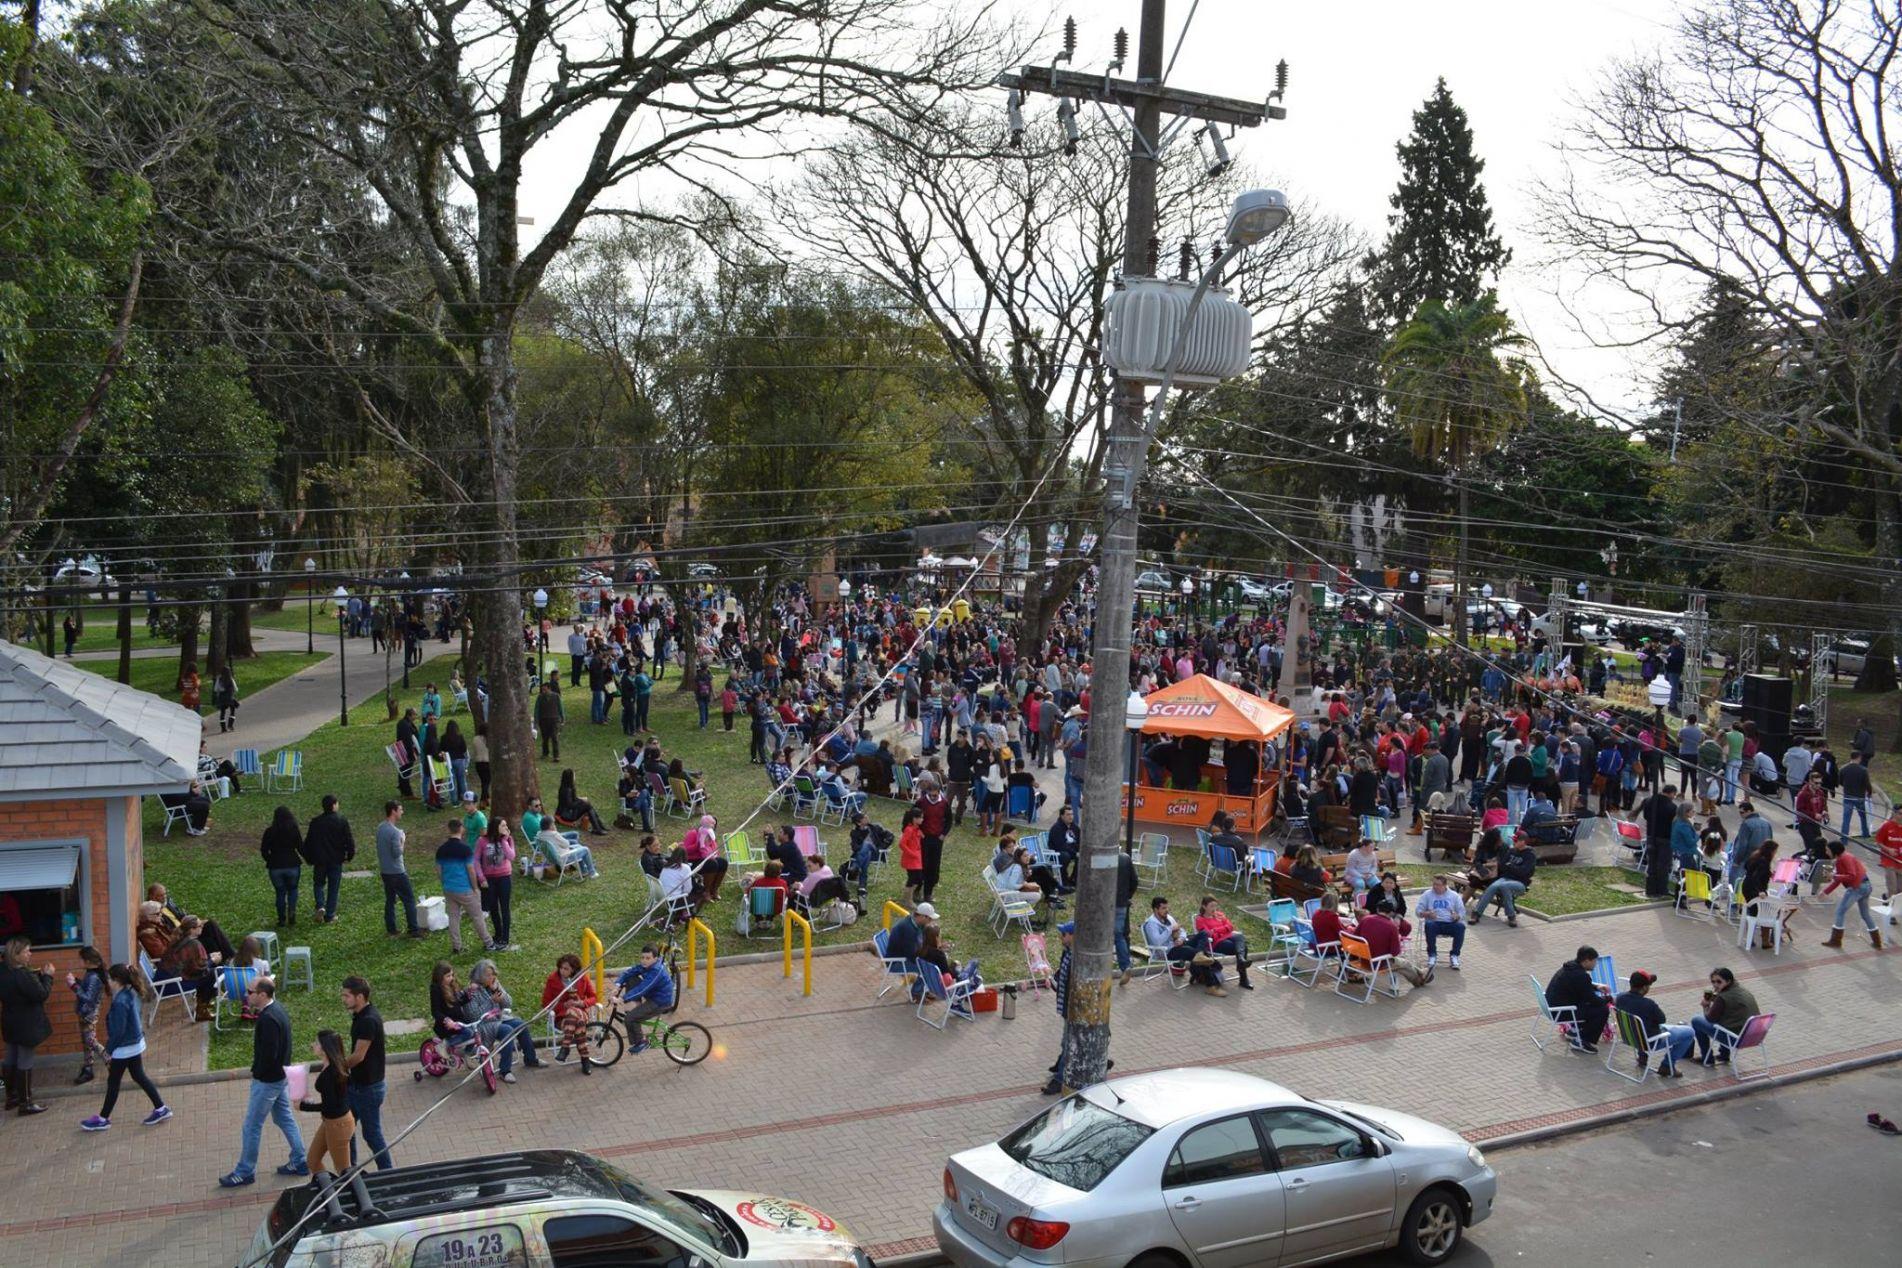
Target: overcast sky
column 1359, row 70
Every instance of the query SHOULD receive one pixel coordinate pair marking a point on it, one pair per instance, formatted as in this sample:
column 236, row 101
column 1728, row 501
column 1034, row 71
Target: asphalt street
column 1783, row 1177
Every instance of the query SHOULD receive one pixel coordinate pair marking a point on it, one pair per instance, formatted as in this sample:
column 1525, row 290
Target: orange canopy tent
column 1201, row 705
column 1204, row 706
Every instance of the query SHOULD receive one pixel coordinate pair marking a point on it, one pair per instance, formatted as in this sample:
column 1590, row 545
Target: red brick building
column 77, row 753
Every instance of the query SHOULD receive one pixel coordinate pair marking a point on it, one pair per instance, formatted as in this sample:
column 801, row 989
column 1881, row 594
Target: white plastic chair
column 1007, row 906
column 1766, row 911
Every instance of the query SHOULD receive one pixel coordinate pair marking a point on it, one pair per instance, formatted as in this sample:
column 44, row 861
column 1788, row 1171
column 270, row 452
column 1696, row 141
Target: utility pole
column 1147, row 99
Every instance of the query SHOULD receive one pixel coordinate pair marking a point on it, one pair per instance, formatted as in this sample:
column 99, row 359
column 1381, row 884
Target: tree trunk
column 238, row 645
column 215, row 658
column 511, row 741
column 187, row 636
column 125, row 631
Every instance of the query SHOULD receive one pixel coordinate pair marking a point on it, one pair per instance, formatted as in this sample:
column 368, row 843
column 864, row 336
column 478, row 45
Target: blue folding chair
column 1223, row 862
column 1020, row 802
column 895, row 971
column 1035, row 842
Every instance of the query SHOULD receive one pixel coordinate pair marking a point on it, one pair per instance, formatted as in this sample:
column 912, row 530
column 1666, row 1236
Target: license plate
column 981, row 1213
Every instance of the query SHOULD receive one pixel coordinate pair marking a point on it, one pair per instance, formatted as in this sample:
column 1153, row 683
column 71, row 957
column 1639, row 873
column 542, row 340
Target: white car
column 1253, row 591
column 1211, row 1169
column 543, row 1208
column 1597, row 633
column 1149, row 581
column 86, row 574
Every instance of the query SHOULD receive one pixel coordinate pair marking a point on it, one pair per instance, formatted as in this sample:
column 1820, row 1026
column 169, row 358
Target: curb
column 1694, row 1100
column 411, row 1057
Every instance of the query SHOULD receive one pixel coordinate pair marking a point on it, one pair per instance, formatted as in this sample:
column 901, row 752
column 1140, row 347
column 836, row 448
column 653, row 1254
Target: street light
column 1188, row 597
column 310, row 608
column 1135, row 714
column 541, row 620
column 342, row 597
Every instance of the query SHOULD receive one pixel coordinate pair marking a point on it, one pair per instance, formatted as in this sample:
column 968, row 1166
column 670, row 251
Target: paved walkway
column 853, row 1105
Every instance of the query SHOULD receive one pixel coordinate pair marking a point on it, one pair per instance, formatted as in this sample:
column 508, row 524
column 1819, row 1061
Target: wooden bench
column 1450, row 834
column 1336, row 828
column 1561, row 840
column 1337, row 863
column 1282, row 885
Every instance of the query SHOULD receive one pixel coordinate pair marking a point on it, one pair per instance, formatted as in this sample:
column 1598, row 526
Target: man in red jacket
column 1383, row 938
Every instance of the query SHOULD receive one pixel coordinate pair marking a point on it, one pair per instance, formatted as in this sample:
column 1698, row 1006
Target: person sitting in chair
column 1572, row 987
column 1539, row 818
column 933, row 952
column 559, row 849
column 1514, row 879
column 1167, row 940
column 1224, row 938
column 196, row 804
column 1638, row 1002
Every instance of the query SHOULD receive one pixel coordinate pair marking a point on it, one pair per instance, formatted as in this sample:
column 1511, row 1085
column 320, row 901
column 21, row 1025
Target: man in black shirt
column 958, row 763
column 328, row 845
column 365, row 1092
column 270, row 1088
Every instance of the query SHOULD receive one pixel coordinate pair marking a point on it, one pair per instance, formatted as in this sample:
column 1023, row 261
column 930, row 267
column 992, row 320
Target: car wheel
column 1432, row 1229
column 1155, row 1259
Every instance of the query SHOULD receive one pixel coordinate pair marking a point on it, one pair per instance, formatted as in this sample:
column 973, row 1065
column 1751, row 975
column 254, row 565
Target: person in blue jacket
column 125, row 1047
column 646, row 990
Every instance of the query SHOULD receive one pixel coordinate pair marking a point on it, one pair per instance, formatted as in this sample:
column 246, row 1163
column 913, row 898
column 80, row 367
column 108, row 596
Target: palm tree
column 1456, row 396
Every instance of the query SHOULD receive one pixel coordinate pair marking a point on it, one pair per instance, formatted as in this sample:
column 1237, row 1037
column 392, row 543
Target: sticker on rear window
column 787, row 1215
column 493, row 1246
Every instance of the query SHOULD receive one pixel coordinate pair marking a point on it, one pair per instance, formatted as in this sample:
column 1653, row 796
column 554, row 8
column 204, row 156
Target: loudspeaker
column 1767, row 700
column 1775, row 743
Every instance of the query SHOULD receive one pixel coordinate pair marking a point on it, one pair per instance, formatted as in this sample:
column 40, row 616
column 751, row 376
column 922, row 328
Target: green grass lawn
column 221, row 875
column 295, row 619
column 159, row 674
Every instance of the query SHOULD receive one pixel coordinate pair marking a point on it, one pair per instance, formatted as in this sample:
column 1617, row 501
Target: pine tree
column 1440, row 239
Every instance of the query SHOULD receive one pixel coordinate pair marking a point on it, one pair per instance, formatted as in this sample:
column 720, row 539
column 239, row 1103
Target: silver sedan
column 1210, row 1168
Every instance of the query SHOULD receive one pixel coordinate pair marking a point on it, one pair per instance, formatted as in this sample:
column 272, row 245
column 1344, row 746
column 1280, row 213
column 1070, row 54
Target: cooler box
column 430, row 913
column 984, row 1001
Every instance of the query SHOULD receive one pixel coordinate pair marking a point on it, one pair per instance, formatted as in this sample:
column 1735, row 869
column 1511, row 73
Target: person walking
column 328, row 845
column 270, row 1089
column 1889, row 841
column 365, row 1063
column 461, row 879
column 337, row 1126
column 1853, row 879
column 224, row 694
column 394, row 872
column 548, row 719
column 125, row 1047
column 283, row 851
column 23, row 1022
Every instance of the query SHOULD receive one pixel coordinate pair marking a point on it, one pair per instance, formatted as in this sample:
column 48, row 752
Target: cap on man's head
column 469, row 796
column 1641, row 979
column 1068, row 926
column 926, row 910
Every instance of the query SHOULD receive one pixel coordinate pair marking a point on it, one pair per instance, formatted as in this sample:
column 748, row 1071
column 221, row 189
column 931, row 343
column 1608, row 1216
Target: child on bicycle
column 646, row 990
column 572, row 993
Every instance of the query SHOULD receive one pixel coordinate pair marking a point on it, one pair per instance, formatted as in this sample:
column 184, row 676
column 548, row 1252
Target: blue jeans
column 1859, row 806
column 366, row 1102
column 1072, row 788
column 640, row 711
column 272, row 1100
column 459, row 776
column 703, row 703
column 284, row 885
column 1682, row 1037
column 512, row 1033
column 1516, row 799
column 1507, row 892
column 1121, row 928
column 323, row 883
column 1705, row 1032
column 1734, row 769
column 1859, row 899
column 598, row 705
column 1437, row 929
column 396, row 888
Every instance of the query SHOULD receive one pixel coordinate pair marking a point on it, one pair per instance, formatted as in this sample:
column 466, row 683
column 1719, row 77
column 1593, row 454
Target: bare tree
column 445, row 110
column 1752, row 155
column 1011, row 255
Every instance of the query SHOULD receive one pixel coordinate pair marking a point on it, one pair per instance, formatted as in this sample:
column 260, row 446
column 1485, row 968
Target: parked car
column 84, row 574
column 543, row 1208
column 1150, row 581
column 1596, row 633
column 1211, row 1168
column 1253, row 591
column 700, row 572
column 1846, row 656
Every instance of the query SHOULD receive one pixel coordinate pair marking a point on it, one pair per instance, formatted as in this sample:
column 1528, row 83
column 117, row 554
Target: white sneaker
column 509, row 1077
column 1453, row 963
column 1433, row 961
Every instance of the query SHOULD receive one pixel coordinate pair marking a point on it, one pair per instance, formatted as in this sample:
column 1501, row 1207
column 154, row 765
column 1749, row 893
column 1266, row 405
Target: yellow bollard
column 593, row 961
column 697, row 929
column 891, row 907
column 805, row 931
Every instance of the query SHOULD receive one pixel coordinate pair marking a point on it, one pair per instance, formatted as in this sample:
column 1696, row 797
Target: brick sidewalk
column 853, row 1106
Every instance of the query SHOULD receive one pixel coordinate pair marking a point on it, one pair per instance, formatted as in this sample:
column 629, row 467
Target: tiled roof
column 63, row 730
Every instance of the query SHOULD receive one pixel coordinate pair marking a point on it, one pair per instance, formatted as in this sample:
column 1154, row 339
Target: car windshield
column 1075, row 1142
column 678, row 1216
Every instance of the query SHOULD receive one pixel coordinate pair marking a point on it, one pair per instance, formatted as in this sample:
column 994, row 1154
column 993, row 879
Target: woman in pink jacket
column 702, row 845
column 495, row 858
